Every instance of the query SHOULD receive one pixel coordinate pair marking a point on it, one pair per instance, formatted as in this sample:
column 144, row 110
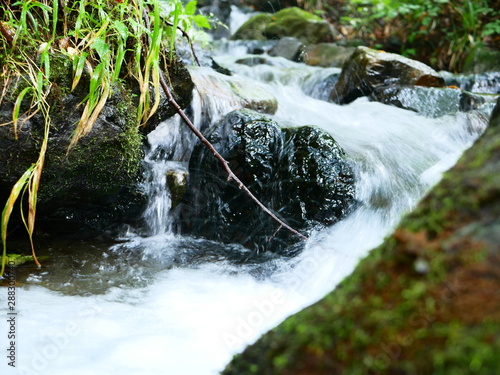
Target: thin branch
column 224, row 162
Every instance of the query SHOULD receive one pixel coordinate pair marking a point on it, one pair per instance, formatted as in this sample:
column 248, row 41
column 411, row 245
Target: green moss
column 293, row 22
column 295, row 13
column 253, row 28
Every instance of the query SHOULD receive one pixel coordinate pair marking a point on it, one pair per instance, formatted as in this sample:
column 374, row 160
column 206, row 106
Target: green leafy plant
column 439, row 32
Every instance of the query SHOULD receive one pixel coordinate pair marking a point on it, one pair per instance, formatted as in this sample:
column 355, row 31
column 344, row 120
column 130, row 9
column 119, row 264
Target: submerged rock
column 301, row 174
column 428, row 101
column 289, row 22
column 425, row 302
column 289, row 48
column 368, row 69
column 327, row 55
column 483, row 83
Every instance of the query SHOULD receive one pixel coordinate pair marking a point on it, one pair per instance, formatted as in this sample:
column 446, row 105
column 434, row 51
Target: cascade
column 160, row 303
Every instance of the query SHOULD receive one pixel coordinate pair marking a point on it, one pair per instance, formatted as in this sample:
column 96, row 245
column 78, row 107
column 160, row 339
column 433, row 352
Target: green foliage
column 440, row 32
column 107, row 42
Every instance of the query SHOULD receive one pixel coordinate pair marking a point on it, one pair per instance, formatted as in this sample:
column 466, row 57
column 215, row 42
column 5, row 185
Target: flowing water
column 160, row 303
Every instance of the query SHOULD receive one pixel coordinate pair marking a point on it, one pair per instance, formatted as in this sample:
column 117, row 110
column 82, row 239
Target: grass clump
column 106, row 43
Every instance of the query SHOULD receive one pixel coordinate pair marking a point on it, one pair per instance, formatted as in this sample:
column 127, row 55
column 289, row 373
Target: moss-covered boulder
column 182, row 90
column 291, row 22
column 301, row 174
column 367, row 69
column 425, row 302
column 269, row 5
column 94, row 184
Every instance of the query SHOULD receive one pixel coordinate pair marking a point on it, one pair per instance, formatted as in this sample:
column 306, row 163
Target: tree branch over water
column 218, row 156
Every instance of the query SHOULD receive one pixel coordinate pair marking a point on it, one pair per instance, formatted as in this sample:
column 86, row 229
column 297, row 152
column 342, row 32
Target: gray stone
column 289, row 48
column 428, row 101
column 327, row 55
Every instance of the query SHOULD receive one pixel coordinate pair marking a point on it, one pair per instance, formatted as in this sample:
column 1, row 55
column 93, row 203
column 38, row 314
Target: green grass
column 108, row 42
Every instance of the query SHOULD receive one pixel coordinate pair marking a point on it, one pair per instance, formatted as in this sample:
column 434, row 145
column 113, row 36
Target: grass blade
column 14, row 194
column 17, row 108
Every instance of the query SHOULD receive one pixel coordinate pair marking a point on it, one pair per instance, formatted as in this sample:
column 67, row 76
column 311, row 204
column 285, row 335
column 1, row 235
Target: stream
column 154, row 302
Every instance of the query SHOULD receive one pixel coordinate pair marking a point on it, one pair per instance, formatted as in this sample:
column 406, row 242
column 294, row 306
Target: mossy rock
column 425, row 302
column 289, row 22
column 182, row 90
column 253, row 28
column 271, row 6
column 93, row 185
column 482, row 60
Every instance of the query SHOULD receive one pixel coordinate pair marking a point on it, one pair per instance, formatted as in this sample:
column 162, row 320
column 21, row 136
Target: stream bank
column 426, row 301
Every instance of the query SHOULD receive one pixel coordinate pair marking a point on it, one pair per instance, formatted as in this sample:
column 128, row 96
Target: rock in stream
column 301, row 174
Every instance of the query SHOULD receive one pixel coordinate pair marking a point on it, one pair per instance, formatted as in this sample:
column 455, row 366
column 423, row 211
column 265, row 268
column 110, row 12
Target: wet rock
column 291, row 22
column 428, row 101
column 483, row 83
column 495, row 115
column 301, row 174
column 254, row 60
column 253, row 28
column 236, row 91
column 289, row 48
column 327, row 55
column 177, row 183
column 368, row 69
column 94, row 185
column 428, row 292
column 182, row 89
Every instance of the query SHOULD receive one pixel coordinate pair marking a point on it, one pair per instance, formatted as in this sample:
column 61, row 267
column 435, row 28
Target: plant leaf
column 17, row 107
column 14, row 194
